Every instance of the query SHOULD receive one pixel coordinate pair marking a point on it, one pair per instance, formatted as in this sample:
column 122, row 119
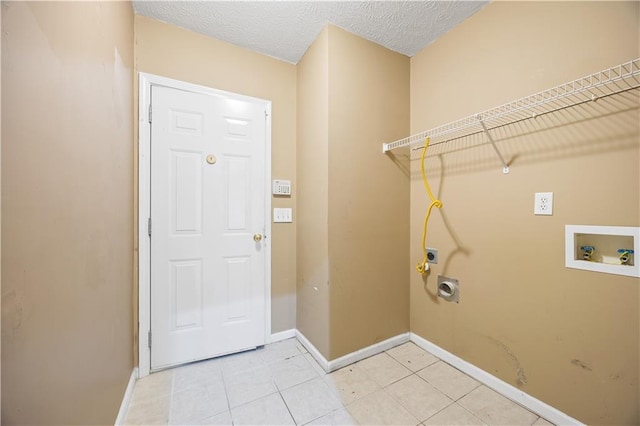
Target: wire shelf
column 614, row 80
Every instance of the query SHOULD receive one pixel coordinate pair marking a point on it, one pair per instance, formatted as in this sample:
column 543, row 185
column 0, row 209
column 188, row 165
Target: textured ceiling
column 286, row 29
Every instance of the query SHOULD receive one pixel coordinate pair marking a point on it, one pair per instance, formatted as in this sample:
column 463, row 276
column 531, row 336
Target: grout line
column 480, row 385
column 473, row 414
column 415, row 373
column 344, row 407
column 293, row 386
column 461, row 372
column 226, row 394
column 173, row 376
column 400, row 402
column 287, row 407
column 442, row 409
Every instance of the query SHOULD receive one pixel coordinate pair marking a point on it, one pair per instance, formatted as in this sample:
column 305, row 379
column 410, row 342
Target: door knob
column 257, row 237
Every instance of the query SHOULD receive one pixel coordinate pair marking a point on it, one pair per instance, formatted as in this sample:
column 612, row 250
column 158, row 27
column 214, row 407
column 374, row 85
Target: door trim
column 145, row 81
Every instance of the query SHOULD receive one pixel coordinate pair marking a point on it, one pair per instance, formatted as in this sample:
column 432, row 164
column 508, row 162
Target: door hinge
column 149, row 339
column 266, row 114
column 149, row 227
column 150, row 113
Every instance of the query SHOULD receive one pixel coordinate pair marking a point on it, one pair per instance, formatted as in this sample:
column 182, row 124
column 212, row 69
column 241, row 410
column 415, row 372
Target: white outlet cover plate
column 543, row 204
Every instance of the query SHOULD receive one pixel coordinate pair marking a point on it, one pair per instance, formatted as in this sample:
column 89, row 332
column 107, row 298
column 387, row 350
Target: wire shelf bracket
column 617, row 79
column 505, row 166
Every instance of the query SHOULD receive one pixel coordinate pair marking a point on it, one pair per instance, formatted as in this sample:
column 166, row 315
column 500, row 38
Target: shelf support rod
column 505, row 166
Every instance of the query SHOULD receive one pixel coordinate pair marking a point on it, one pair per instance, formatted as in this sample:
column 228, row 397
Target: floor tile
column 315, row 364
column 340, row 417
column 292, row 371
column 351, row 383
column 236, row 363
column 282, row 383
column 452, row 382
column 453, row 415
column 383, row 369
column 194, row 404
column 420, row 398
column 249, row 385
column 197, row 374
column 542, row 422
column 495, row 409
column 222, row 419
column 269, row 410
column 412, row 356
column 379, row 408
column 280, row 350
column 153, row 386
column 310, row 400
column 153, row 411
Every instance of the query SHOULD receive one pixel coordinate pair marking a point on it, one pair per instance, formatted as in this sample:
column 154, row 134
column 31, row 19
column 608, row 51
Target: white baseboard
column 126, row 399
column 372, row 350
column 282, row 335
column 313, row 351
column 352, row 357
column 516, row 395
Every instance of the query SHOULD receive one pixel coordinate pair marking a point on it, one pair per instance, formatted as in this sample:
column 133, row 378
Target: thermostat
column 281, row 187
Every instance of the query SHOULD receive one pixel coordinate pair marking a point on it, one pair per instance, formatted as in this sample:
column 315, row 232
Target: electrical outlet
column 432, row 255
column 543, row 204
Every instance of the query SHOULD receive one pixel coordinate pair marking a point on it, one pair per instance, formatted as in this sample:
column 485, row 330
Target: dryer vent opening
column 448, row 289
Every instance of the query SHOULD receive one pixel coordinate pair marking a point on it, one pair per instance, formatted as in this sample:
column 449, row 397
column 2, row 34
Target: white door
column 208, row 258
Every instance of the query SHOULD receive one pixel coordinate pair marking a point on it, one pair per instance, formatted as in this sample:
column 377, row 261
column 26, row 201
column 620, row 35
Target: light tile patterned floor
column 281, row 384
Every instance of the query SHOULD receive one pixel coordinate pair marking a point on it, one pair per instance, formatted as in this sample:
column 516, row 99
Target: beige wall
column 368, row 193
column 352, row 241
column 0, row 226
column 173, row 52
column 313, row 186
column 567, row 337
column 67, row 211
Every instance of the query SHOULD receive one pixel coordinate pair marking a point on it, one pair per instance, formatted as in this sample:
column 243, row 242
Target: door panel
column 207, row 273
column 186, row 280
column 237, row 183
column 186, row 192
column 238, row 292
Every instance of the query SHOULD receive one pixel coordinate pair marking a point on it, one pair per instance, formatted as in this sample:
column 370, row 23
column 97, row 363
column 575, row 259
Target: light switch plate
column 282, row 215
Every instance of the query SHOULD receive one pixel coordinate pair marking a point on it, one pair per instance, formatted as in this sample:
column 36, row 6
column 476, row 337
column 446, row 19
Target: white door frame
column 145, row 82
